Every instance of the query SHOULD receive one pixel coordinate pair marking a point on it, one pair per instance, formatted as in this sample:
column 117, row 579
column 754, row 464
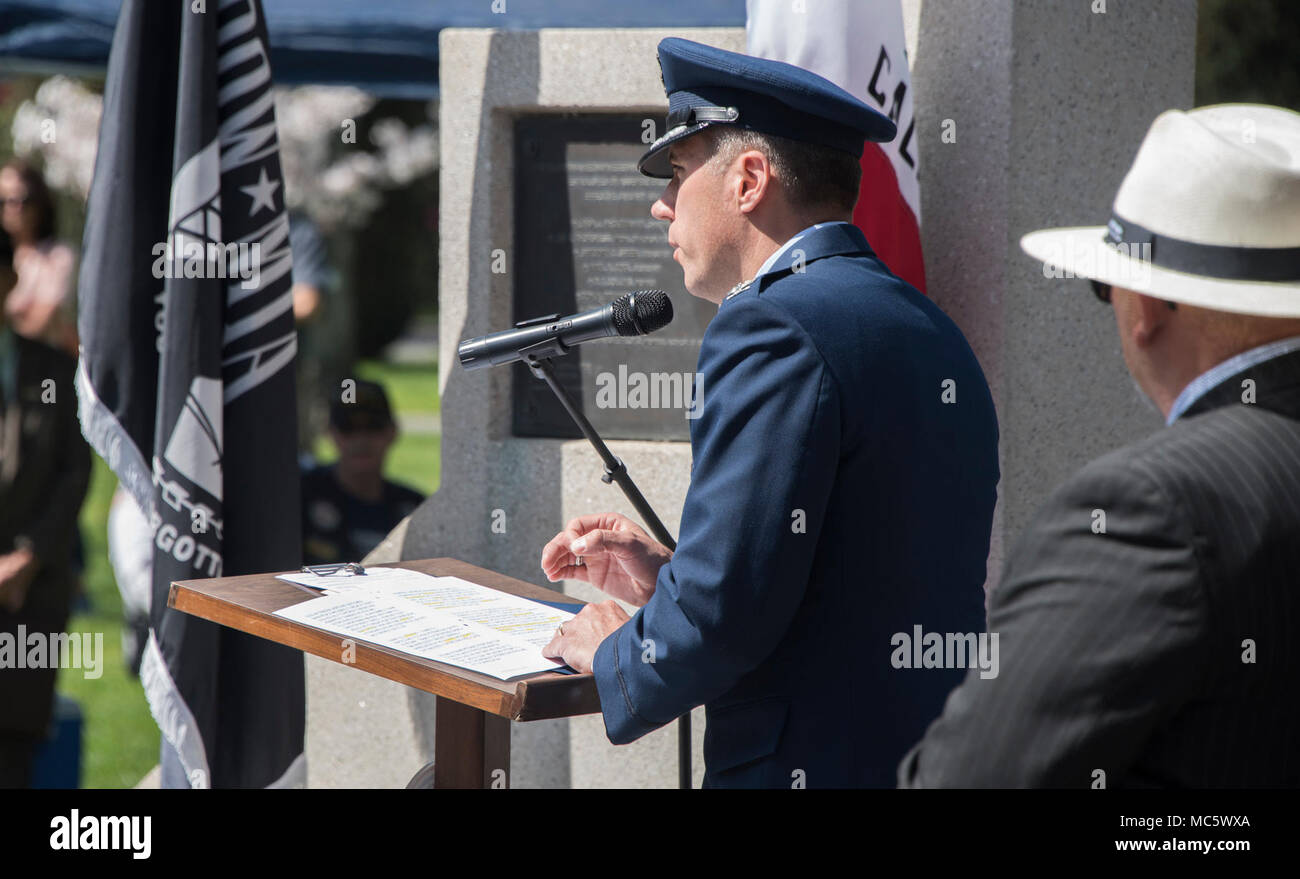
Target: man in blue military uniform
column 845, row 458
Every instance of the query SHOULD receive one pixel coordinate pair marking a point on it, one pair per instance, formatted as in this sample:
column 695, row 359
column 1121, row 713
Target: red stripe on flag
column 885, row 218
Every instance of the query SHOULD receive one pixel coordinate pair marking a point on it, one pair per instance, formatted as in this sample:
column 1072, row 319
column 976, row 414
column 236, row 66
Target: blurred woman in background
column 44, row 474
column 42, row 304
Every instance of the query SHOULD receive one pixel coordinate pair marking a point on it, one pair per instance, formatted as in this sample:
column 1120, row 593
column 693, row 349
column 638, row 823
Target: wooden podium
column 474, row 711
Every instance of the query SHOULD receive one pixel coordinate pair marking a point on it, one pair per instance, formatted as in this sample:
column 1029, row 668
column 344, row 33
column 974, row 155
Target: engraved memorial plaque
column 583, row 237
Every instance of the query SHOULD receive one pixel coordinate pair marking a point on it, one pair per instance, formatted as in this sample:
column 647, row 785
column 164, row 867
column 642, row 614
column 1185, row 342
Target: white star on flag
column 262, row 193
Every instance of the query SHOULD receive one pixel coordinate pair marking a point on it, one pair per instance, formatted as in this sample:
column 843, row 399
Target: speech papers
column 445, row 619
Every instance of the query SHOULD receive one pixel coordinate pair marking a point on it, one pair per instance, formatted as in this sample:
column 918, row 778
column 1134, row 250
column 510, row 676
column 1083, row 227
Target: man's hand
column 306, row 300
column 17, row 569
column 576, row 644
column 609, row 551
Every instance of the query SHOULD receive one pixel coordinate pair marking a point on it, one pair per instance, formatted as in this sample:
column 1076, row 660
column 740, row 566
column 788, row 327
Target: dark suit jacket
column 1163, row 652
column 835, row 499
column 44, row 471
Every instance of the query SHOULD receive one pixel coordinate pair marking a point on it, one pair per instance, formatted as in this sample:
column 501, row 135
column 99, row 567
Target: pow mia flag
column 186, row 379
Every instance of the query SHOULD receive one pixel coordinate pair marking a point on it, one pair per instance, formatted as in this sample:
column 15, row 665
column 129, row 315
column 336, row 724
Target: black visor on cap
column 654, row 162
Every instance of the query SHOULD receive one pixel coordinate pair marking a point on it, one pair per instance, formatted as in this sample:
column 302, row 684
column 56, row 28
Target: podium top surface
column 248, row 603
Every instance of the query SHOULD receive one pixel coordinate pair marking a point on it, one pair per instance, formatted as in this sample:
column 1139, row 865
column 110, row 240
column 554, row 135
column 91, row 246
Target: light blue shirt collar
column 1215, row 376
column 771, row 260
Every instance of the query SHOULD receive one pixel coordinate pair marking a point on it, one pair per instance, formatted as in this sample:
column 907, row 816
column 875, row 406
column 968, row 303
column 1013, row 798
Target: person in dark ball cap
column 348, row 507
column 838, row 495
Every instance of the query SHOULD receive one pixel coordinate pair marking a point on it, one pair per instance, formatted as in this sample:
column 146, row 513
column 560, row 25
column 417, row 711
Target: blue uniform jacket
column 836, row 500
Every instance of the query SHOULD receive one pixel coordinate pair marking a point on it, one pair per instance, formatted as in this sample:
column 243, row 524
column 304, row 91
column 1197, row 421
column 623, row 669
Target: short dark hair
column 38, row 195
column 813, row 177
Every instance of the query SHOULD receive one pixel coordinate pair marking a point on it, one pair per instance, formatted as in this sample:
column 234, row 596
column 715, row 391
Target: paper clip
column 334, row 568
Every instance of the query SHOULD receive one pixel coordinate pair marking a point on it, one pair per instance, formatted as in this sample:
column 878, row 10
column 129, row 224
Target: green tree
column 1248, row 51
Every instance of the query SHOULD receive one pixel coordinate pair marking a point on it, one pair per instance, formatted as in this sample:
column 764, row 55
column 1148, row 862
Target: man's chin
column 699, row 294
column 703, row 290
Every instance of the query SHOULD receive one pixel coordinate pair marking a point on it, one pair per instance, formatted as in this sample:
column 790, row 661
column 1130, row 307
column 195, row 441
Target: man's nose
column 660, row 210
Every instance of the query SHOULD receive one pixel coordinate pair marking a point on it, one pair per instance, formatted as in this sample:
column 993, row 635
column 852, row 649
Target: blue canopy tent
column 387, row 47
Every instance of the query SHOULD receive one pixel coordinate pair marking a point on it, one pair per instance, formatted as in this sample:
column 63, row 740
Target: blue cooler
column 58, row 760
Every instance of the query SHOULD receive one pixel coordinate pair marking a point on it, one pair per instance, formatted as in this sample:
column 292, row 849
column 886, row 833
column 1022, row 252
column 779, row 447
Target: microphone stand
column 538, row 357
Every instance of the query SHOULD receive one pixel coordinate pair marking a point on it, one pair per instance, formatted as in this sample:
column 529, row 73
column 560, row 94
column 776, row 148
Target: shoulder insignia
column 739, row 288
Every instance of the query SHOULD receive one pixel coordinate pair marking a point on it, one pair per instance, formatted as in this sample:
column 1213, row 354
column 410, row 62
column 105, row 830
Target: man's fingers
column 555, row 648
column 556, row 554
column 570, row 572
column 617, row 543
column 552, row 649
column 591, row 522
column 566, row 569
column 583, row 634
column 558, row 563
column 576, row 526
column 554, row 550
column 602, row 522
column 591, row 535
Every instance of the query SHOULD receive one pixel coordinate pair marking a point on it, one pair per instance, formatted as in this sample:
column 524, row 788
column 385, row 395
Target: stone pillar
column 1047, row 102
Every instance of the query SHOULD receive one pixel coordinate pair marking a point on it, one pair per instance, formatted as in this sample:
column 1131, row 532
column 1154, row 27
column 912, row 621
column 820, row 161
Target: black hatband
column 1210, row 260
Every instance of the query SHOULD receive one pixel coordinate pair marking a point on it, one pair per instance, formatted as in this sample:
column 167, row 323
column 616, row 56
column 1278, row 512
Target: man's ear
column 754, row 179
column 1151, row 316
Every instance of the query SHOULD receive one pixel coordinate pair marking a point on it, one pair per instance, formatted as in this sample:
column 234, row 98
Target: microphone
column 633, row 314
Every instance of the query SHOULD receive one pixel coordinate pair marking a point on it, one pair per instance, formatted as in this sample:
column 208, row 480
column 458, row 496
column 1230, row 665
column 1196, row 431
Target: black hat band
column 761, row 113
column 1209, row 260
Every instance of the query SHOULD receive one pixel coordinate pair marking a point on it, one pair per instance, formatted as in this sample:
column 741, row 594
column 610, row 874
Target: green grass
column 119, row 737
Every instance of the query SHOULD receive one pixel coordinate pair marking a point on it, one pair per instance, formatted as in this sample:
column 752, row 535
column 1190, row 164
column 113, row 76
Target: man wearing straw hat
column 1147, row 617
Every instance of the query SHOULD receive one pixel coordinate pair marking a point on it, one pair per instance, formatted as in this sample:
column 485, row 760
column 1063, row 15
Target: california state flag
column 859, row 46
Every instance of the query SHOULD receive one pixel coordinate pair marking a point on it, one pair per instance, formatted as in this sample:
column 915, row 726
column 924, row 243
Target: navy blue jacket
column 836, row 499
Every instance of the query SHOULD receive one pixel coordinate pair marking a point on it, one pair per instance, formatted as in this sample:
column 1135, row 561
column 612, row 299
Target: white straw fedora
column 1209, row 215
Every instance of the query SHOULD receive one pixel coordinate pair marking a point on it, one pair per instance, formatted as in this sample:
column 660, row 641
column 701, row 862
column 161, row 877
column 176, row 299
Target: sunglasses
column 1102, row 292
